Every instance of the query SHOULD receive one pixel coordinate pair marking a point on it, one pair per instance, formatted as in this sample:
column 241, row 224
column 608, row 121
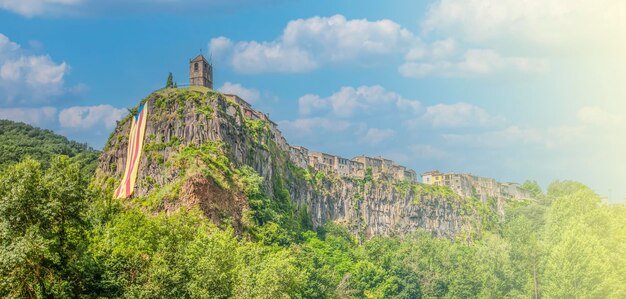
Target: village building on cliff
column 465, row 185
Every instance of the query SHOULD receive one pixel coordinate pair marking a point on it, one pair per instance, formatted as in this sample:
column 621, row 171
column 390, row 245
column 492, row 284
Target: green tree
column 525, row 254
column 533, row 187
column 213, row 266
column 170, row 81
column 141, row 256
column 582, row 258
column 326, row 260
column 20, row 141
column 268, row 272
column 562, row 188
column 42, row 229
column 577, row 266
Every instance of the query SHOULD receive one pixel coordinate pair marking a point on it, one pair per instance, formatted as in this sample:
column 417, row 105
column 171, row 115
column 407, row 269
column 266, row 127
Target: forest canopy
column 62, row 239
column 20, row 140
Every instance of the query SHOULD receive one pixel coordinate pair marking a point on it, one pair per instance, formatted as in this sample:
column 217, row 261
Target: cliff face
column 379, row 208
column 197, row 140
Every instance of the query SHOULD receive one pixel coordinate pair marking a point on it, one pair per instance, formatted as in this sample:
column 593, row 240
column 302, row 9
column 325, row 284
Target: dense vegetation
column 61, row 238
column 20, row 140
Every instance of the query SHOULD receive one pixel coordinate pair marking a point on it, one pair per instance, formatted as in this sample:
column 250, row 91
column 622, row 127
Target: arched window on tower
column 195, row 67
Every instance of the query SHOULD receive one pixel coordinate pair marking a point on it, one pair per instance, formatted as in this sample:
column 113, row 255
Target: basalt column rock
column 194, row 118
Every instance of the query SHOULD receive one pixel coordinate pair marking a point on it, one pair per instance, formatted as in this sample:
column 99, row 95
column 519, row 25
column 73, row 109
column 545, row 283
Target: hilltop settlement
column 464, row 184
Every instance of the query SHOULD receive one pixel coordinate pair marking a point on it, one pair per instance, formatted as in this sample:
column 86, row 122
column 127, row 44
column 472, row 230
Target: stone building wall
column 467, row 185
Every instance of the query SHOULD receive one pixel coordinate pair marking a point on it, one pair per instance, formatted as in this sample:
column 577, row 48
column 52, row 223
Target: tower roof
column 199, row 58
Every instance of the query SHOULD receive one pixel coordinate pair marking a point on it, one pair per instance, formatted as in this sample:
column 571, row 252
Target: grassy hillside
column 19, row 140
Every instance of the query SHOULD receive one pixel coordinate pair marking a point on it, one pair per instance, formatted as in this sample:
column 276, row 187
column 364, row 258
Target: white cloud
column 35, row 70
column 427, row 151
column 305, row 44
column 87, row 117
column 345, row 117
column 424, row 153
column 26, row 78
column 250, row 95
column 439, row 49
column 31, row 8
column 589, row 148
column 548, row 22
column 33, row 116
column 309, row 125
column 342, row 39
column 456, row 115
column 443, row 48
column 7, row 47
column 376, row 136
column 599, row 117
column 548, row 138
column 254, row 57
column 219, row 45
column 410, row 106
column 308, row 44
column 349, row 100
column 309, row 103
column 473, row 62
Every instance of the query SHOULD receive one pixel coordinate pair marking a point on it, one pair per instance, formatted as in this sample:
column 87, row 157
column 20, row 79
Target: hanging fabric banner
column 135, row 145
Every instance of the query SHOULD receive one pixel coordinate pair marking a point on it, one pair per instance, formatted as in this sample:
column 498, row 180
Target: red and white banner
column 135, row 146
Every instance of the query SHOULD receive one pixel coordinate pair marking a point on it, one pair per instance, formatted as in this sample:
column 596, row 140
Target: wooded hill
column 19, row 140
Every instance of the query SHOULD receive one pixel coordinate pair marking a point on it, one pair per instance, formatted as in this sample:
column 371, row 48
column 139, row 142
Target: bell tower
column 200, row 72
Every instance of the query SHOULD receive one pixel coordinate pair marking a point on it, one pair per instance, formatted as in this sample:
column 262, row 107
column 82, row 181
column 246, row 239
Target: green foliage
column 269, row 273
column 482, row 213
column 206, row 110
column 167, row 99
column 42, row 229
column 159, row 146
column 275, row 217
column 210, row 160
column 533, row 187
column 170, row 81
column 60, row 238
column 258, row 129
column 433, row 191
column 302, row 174
column 164, row 194
column 403, row 187
column 260, row 204
column 566, row 246
column 320, row 176
column 563, row 188
column 368, row 175
column 164, row 256
column 20, row 141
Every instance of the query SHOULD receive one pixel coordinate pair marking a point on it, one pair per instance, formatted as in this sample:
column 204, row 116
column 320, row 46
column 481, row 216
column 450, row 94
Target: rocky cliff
column 199, row 150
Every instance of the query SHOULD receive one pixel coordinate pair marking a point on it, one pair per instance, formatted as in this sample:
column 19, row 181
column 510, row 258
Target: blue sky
column 505, row 89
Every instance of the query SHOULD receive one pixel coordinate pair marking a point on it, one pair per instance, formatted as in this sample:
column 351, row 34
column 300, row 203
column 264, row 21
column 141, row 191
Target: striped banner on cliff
column 135, row 144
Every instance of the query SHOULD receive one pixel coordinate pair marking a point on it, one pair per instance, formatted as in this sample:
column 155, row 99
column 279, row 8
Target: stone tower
column 200, row 72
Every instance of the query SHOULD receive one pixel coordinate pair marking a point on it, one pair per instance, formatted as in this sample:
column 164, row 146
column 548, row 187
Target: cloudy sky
column 508, row 89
